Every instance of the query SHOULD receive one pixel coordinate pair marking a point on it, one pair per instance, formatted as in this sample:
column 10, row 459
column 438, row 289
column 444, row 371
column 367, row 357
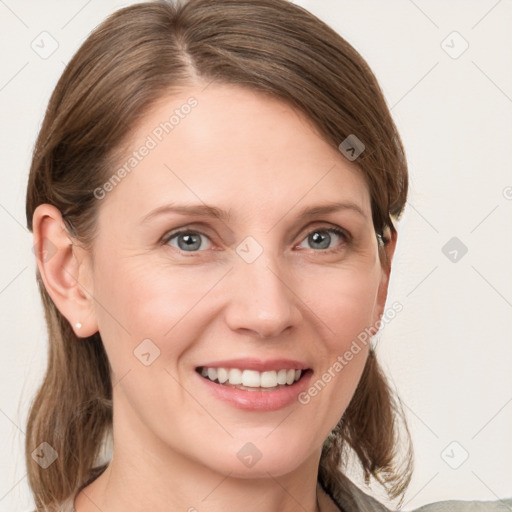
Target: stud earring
column 78, row 325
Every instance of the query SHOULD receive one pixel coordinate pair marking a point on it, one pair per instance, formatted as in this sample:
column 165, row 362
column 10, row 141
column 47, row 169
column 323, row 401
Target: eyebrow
column 205, row 210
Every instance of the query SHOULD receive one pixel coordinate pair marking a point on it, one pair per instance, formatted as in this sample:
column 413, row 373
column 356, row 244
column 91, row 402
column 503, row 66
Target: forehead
column 229, row 144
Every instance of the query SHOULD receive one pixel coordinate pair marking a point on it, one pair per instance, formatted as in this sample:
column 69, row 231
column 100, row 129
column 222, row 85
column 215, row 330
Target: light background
column 448, row 352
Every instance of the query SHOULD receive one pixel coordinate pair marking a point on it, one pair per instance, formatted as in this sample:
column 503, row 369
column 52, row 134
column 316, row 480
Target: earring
column 78, row 325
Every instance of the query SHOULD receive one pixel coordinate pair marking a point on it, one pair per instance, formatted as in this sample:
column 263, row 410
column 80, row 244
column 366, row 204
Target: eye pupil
column 190, row 240
column 319, row 238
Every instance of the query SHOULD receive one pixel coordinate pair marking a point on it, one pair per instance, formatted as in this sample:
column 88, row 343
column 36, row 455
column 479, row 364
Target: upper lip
column 257, row 364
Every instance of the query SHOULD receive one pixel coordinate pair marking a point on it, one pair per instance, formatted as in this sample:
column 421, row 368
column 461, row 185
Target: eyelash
column 337, row 231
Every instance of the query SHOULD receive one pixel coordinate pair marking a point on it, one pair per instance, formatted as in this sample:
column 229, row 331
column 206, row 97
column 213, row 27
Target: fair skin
column 175, row 444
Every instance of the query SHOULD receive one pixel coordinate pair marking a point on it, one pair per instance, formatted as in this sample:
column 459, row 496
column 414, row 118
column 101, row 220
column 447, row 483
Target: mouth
column 254, row 384
column 252, row 380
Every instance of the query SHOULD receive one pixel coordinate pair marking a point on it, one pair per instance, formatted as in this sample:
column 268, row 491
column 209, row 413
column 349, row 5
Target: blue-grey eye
column 323, row 241
column 189, row 241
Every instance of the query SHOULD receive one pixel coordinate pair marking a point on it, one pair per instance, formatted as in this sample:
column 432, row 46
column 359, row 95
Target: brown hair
column 136, row 56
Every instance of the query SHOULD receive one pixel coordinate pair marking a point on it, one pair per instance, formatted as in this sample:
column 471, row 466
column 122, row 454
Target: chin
column 258, row 459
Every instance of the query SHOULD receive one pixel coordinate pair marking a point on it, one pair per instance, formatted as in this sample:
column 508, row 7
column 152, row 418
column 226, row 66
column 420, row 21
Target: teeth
column 222, row 375
column 252, row 378
column 212, row 373
column 234, row 376
column 269, row 379
column 281, row 377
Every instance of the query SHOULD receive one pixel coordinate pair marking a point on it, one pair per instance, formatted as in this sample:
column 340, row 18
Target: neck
column 137, row 489
column 146, row 474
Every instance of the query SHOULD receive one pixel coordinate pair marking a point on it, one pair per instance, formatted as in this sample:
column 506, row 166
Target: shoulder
column 467, row 506
column 355, row 499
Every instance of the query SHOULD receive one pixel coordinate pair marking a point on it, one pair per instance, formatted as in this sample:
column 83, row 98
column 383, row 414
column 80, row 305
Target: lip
column 257, row 364
column 262, row 401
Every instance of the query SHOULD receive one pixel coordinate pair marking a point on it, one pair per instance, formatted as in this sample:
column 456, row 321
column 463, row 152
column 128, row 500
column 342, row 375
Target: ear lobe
column 66, row 277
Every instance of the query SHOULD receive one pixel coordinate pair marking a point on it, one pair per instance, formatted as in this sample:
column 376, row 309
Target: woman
column 190, row 159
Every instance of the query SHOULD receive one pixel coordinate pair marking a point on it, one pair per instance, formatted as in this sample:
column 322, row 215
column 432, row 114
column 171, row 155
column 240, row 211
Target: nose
column 262, row 301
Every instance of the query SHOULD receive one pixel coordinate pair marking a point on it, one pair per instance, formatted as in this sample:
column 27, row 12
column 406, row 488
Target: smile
column 252, row 379
column 252, row 390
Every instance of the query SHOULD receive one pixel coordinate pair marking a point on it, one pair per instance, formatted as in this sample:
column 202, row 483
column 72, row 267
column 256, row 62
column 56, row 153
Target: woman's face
column 263, row 283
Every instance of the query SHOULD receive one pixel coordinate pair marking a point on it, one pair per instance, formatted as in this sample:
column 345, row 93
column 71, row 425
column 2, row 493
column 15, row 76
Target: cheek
column 140, row 300
column 345, row 305
column 344, row 299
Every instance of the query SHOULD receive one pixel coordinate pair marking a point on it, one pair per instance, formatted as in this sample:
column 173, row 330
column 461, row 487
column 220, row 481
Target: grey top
column 362, row 502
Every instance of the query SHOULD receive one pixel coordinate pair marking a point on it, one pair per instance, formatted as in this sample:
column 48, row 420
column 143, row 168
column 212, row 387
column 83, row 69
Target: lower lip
column 258, row 400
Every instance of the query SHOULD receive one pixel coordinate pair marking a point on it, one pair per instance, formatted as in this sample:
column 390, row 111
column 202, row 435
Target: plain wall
column 448, row 352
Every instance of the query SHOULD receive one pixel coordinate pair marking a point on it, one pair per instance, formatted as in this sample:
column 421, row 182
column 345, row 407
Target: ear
column 65, row 269
column 386, row 253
